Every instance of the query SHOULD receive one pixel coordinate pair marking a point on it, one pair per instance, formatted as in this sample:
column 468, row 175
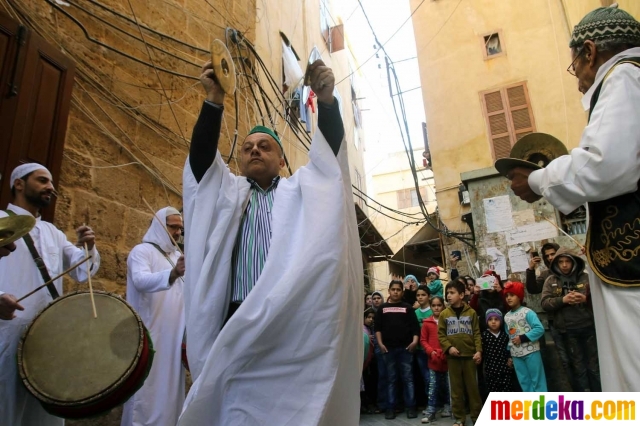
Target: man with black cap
column 273, row 288
column 604, row 172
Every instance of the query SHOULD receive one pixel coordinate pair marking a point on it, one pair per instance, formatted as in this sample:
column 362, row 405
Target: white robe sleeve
column 139, row 265
column 606, row 163
column 73, row 254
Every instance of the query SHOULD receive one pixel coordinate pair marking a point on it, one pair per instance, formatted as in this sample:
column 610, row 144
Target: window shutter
column 520, row 110
column 509, row 117
column 496, row 114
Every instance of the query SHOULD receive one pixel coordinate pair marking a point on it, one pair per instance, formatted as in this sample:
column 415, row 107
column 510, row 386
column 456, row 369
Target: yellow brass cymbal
column 539, row 148
column 223, row 67
column 533, row 151
column 12, row 228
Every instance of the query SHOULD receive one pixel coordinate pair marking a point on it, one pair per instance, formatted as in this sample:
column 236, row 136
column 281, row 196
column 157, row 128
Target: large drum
column 79, row 366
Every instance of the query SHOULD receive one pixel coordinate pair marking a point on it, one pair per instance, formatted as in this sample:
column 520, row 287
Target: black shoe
column 389, row 415
column 412, row 413
column 429, row 418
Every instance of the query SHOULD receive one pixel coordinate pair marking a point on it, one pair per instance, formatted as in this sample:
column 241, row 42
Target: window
column 292, row 74
column 492, row 45
column 357, row 115
column 325, row 22
column 332, row 33
column 509, row 117
column 409, row 197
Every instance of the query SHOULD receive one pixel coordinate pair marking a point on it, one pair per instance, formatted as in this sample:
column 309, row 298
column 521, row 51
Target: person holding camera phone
column 536, row 283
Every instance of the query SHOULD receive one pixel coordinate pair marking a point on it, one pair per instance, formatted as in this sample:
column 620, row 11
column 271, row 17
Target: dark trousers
column 560, row 340
column 423, row 366
column 370, row 378
column 382, row 382
column 398, row 362
column 583, row 352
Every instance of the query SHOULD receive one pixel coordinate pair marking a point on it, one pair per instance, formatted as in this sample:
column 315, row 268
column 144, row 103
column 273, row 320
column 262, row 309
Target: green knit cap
column 268, row 131
column 606, row 23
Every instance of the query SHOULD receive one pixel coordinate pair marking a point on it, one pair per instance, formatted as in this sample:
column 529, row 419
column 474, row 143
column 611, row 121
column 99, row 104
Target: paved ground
column 401, row 420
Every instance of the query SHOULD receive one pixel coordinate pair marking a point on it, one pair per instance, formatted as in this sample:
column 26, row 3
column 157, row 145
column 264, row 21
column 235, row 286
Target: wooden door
column 40, row 107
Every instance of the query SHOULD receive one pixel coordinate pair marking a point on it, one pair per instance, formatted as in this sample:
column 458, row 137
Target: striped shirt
column 253, row 241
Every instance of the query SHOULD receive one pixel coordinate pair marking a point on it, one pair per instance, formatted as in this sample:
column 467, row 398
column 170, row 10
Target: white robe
column 606, row 164
column 18, row 276
column 160, row 305
column 292, row 353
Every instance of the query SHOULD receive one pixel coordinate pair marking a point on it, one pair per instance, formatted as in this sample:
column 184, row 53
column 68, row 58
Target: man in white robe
column 280, row 260
column 604, row 172
column 154, row 289
column 33, row 190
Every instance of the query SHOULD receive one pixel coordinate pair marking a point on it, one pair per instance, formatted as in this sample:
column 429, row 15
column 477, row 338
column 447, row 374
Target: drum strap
column 38, row 260
column 166, row 256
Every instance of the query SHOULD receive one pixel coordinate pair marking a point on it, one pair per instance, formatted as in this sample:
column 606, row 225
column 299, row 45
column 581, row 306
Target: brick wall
column 120, row 113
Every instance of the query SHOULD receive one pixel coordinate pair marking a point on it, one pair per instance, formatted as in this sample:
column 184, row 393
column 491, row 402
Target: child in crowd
column 433, row 281
column 367, row 300
column 368, row 382
column 397, row 333
column 459, row 336
column 381, row 403
column 438, row 377
column 376, row 300
column 525, row 330
column 410, row 289
column 497, row 358
column 567, row 300
column 422, row 313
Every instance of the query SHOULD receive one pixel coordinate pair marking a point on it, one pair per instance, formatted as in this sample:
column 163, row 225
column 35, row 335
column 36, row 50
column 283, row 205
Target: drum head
column 66, row 355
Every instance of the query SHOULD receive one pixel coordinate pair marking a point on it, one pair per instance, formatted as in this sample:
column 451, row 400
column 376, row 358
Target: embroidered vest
column 613, row 238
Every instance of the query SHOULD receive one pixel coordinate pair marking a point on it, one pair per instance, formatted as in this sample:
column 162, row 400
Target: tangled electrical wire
column 403, row 126
column 267, row 100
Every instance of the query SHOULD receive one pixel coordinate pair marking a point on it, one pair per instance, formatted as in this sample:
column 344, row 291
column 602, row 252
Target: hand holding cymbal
column 7, row 249
column 322, row 81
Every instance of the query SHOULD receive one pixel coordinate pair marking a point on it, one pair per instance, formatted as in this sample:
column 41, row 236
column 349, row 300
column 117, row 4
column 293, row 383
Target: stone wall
column 120, row 114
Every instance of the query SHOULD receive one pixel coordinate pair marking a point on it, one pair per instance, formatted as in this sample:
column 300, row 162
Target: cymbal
column 12, row 228
column 223, row 67
column 533, row 151
column 539, row 148
column 314, row 56
column 504, row 165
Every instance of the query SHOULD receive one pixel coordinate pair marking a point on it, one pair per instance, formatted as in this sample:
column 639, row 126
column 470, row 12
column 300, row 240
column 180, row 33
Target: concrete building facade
column 491, row 73
column 393, row 185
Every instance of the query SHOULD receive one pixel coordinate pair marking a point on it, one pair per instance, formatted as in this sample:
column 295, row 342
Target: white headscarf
column 157, row 233
column 25, row 169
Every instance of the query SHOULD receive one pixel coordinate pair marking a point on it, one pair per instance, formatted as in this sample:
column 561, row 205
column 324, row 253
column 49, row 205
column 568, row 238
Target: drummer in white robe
column 604, row 172
column 32, row 190
column 154, row 289
column 279, row 259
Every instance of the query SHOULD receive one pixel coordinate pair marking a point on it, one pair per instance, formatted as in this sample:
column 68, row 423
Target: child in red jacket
column 439, row 381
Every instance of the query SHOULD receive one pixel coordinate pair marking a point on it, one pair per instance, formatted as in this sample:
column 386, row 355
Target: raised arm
column 329, row 117
column 206, row 133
